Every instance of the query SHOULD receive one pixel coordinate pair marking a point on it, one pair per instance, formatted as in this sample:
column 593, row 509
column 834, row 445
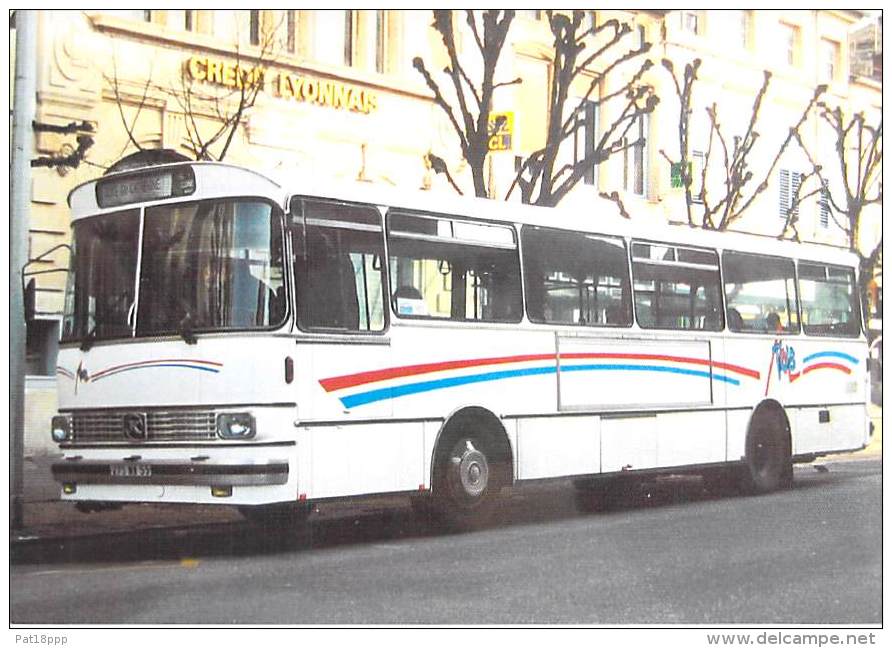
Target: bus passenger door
column 339, row 270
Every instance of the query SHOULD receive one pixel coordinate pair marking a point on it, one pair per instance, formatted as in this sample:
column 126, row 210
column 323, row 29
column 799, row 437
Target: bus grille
column 161, row 425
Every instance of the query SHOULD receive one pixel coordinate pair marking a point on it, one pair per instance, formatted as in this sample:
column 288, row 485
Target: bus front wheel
column 768, row 464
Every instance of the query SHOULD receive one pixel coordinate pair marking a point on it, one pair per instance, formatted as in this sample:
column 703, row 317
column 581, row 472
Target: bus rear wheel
column 768, row 464
column 467, row 480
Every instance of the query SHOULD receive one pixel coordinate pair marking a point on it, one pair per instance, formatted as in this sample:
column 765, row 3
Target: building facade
column 339, row 99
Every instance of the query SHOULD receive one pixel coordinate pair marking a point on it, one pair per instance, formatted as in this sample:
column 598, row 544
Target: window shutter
column 784, row 195
column 824, row 204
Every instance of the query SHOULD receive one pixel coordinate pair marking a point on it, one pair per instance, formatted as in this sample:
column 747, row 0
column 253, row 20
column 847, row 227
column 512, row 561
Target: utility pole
column 24, row 106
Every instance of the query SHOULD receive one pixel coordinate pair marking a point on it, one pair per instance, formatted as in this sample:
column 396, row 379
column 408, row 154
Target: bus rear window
column 829, row 299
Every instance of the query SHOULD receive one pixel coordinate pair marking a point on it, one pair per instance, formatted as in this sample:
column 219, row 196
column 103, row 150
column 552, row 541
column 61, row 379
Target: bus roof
column 597, row 216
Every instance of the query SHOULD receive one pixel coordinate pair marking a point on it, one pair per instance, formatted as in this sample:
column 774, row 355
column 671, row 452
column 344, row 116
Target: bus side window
column 337, row 265
column 676, row 288
column 452, row 269
column 829, row 298
column 575, row 279
column 759, row 293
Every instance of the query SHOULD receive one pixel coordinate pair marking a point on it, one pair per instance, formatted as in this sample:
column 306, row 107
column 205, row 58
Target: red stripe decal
column 354, row 380
column 826, row 365
column 148, row 362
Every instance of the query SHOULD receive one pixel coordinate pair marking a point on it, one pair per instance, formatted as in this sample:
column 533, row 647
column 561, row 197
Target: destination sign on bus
column 145, row 186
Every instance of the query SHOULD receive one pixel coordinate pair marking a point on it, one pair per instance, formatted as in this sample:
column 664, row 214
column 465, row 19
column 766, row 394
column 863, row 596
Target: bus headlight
column 61, row 429
column 236, row 426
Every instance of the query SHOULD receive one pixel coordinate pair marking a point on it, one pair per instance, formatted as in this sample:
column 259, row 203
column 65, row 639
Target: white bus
column 232, row 339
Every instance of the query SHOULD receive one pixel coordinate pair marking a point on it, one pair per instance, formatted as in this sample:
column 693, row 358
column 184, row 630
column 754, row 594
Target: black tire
column 469, row 474
column 768, row 464
column 277, row 517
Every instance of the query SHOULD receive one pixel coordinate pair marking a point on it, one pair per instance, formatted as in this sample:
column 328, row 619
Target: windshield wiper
column 89, row 338
column 185, row 329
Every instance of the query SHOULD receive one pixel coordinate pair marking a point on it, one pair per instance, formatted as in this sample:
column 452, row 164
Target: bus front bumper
column 169, row 473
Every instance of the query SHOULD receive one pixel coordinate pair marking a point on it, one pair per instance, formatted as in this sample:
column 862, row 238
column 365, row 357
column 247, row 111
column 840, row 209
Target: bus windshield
column 205, row 266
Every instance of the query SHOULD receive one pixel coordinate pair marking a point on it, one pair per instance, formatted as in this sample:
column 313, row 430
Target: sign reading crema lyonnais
column 323, row 92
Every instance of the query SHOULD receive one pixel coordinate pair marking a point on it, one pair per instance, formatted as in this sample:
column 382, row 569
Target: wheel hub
column 470, row 469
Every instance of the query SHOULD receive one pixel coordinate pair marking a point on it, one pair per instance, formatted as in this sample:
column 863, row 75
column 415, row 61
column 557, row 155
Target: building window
column 829, row 61
column 692, row 22
column 372, row 30
column 333, row 37
column 789, row 39
column 788, row 183
column 635, row 157
column 698, row 165
column 824, row 206
column 291, row 33
column 589, row 22
column 189, row 20
column 530, row 14
column 254, row 27
column 585, row 139
column 739, row 27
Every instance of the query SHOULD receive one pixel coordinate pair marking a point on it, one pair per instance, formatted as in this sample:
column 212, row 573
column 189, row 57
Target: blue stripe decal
column 175, row 366
column 831, row 354
column 364, row 398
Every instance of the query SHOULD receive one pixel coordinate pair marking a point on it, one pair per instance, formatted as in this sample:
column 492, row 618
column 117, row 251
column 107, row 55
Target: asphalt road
column 669, row 554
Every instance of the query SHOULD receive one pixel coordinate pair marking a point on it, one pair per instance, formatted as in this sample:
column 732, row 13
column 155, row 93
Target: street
column 672, row 554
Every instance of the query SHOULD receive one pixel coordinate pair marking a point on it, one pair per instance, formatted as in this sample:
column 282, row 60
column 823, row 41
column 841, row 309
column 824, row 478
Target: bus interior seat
column 735, row 321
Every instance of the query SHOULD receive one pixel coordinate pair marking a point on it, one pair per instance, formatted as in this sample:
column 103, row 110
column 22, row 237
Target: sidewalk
column 47, row 519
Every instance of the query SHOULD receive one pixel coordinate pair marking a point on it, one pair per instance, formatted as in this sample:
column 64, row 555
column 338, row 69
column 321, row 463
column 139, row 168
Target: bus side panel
column 632, row 373
column 690, row 438
column 555, row 447
column 737, row 421
column 362, row 459
column 628, row 442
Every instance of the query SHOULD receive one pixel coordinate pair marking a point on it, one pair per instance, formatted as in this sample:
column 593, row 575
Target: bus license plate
column 131, row 470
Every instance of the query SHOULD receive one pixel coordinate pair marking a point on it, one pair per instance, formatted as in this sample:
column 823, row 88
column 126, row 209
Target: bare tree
column 542, row 178
column 684, row 92
column 577, row 50
column 730, row 160
column 858, row 158
column 470, row 117
column 213, row 113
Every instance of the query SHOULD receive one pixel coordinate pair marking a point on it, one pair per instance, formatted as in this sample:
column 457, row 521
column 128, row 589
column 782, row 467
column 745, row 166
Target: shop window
column 576, row 279
column 676, row 288
column 760, row 293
